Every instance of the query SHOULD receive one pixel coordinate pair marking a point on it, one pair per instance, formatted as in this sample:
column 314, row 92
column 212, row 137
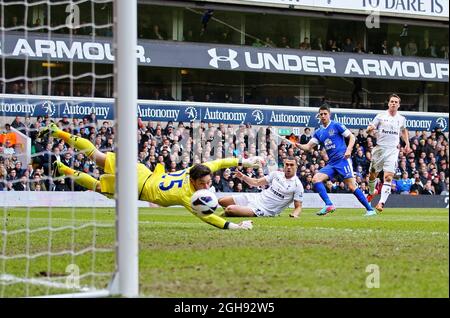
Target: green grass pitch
column 180, row 256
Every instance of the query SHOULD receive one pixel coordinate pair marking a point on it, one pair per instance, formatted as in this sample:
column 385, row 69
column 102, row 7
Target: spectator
column 317, row 45
column 334, row 47
column 37, row 183
column 217, row 183
column 364, row 188
column 383, row 50
column 397, row 49
column 229, row 187
column 439, row 133
column 348, row 46
column 359, row 48
column 359, row 172
column 429, row 147
column 329, row 45
column 306, row 136
column 22, row 185
column 305, row 45
column 428, row 188
column 360, row 159
column 29, row 128
column 238, row 187
column 3, row 177
column 18, row 167
column 330, row 187
column 404, row 184
column 411, row 48
column 361, row 139
column 401, row 166
column 9, row 186
column 424, row 176
column 309, row 189
column 18, row 124
column 14, row 22
column 12, row 176
column 257, row 43
column 269, row 43
column 444, row 52
column 342, row 188
column 444, row 167
column 37, row 22
column 56, row 155
column 284, row 43
column 416, row 136
column 432, row 50
column 67, row 159
column 206, row 17
column 417, row 187
column 59, row 185
column 446, row 187
column 437, row 185
column 156, row 33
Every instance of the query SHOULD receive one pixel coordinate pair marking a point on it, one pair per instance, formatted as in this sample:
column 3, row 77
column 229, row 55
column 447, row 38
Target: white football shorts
column 251, row 201
column 385, row 159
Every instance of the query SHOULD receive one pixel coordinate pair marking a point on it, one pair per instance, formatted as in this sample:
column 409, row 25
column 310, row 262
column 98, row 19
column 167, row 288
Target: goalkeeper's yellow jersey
column 167, row 189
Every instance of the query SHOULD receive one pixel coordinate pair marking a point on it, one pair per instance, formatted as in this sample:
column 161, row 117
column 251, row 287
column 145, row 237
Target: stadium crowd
column 424, row 171
column 403, row 44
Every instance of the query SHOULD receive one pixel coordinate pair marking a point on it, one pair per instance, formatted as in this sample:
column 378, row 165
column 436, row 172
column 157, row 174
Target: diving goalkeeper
column 164, row 189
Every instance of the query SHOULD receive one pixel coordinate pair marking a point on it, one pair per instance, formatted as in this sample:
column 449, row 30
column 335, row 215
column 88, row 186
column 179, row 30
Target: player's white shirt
column 281, row 192
column 389, row 129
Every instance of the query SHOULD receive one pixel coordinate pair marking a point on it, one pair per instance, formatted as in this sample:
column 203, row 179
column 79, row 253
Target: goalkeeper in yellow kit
column 164, row 189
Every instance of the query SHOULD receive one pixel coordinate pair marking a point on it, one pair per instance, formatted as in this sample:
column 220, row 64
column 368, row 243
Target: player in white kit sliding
column 390, row 125
column 284, row 188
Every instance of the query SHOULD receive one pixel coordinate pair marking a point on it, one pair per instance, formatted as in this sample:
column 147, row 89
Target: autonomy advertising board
column 57, row 107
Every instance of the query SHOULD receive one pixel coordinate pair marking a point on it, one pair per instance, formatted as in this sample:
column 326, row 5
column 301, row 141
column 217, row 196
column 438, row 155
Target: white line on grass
column 365, row 230
column 192, row 224
column 7, row 279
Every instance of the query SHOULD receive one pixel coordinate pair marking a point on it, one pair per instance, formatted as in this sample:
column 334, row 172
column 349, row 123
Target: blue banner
column 174, row 54
column 16, row 105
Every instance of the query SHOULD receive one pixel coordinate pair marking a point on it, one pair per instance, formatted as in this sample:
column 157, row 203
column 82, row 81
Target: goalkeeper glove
column 244, row 225
column 253, row 162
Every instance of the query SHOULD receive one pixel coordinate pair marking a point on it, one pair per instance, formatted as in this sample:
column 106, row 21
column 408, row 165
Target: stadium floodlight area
column 69, row 252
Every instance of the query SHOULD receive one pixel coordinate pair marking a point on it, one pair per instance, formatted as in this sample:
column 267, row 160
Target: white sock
column 385, row 191
column 372, row 185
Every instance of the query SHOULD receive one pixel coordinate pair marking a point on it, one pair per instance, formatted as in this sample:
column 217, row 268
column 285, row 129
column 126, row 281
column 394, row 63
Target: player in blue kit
column 332, row 136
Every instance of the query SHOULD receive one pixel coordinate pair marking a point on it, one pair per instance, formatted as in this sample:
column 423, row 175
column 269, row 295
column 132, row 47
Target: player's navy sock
column 320, row 188
column 362, row 198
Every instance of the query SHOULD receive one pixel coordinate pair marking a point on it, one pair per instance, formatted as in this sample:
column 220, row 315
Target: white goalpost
column 126, row 96
column 55, row 251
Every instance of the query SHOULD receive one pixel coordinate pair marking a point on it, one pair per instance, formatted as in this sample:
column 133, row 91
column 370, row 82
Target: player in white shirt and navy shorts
column 390, row 126
column 284, row 188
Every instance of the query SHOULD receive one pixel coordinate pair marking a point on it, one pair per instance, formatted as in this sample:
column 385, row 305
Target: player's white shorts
column 251, row 201
column 385, row 159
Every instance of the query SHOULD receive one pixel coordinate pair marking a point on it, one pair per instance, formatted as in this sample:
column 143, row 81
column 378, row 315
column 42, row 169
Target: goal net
column 56, row 238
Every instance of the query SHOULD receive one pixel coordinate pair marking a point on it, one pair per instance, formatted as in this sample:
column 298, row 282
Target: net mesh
column 53, row 237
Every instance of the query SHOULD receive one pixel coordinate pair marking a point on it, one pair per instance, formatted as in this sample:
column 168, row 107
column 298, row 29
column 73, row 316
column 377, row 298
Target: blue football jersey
column 332, row 138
